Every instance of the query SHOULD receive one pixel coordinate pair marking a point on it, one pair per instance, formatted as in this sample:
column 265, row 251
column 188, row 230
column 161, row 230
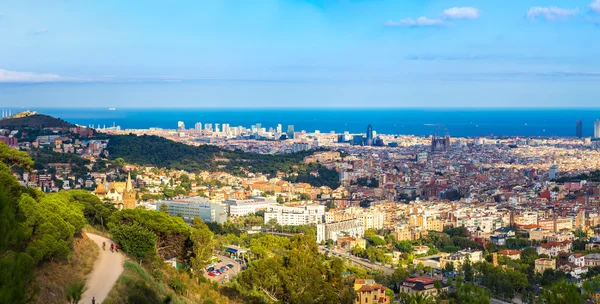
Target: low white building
column 332, row 231
column 291, row 216
column 191, row 207
column 248, row 206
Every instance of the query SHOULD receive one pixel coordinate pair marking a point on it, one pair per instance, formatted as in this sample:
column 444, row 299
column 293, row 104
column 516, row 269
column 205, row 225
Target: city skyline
column 305, row 54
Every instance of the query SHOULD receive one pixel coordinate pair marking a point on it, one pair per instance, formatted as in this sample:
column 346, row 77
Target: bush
column 157, row 274
column 177, row 285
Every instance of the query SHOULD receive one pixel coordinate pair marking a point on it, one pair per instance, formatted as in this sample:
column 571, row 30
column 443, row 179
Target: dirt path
column 107, row 269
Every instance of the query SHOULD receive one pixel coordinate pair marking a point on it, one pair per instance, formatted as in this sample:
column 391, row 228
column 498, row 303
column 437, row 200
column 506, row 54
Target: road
column 107, row 269
column 356, row 260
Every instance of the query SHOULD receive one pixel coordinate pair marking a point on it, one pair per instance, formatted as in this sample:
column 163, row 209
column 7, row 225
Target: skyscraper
column 198, row 127
column 180, row 126
column 578, row 129
column 553, row 172
column 290, row 131
column 369, row 135
column 597, row 128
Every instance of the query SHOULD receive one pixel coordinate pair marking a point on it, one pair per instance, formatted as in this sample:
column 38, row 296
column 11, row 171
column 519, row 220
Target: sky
column 300, row 53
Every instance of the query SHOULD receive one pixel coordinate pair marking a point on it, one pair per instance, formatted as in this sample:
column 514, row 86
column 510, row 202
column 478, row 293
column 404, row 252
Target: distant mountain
column 36, row 121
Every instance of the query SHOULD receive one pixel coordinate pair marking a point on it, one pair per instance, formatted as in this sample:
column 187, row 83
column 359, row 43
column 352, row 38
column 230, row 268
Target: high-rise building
column 290, row 131
column 198, row 127
column 553, row 172
column 369, row 138
column 597, row 128
column 180, row 126
column 225, row 128
column 578, row 129
column 208, row 127
column 279, row 128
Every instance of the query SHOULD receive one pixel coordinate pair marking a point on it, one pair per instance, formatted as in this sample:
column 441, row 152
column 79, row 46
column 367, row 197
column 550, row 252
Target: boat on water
column 112, row 109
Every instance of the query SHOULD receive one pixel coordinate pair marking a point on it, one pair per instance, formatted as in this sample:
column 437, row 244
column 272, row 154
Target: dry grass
column 53, row 277
column 94, row 230
column 135, row 275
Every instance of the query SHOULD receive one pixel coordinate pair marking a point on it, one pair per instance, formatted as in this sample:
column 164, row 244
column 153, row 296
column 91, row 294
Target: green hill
column 36, row 121
column 162, row 152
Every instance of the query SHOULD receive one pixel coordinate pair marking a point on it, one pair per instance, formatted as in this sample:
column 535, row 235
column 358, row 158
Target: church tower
column 129, row 195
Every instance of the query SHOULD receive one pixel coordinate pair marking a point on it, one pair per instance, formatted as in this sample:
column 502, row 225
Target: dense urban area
column 224, row 214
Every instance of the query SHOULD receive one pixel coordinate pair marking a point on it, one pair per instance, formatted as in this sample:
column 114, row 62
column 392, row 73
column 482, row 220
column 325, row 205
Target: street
column 356, row 260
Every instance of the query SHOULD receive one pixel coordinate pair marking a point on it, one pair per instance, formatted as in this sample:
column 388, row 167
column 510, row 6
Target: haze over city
column 308, row 54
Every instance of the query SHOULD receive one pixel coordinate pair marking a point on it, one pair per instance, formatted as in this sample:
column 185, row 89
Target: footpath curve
column 107, row 269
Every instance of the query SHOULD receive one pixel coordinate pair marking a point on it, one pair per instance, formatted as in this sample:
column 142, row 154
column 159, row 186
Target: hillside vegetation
column 37, row 121
column 161, row 152
column 36, row 228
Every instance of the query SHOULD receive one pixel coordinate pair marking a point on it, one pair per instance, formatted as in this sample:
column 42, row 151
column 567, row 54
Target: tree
column 418, row 298
column 561, row 293
column 471, row 294
column 449, row 267
column 119, row 162
column 12, row 157
column 164, row 208
column 272, row 223
column 404, row 246
column 172, row 234
column 202, row 238
column 136, row 240
column 376, row 240
column 74, row 292
column 304, row 196
column 468, row 271
column 592, row 286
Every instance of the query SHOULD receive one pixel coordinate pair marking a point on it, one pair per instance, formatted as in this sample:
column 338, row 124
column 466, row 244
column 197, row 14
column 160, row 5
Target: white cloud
column 551, row 13
column 461, row 13
column 15, row 77
column 421, row 21
column 595, row 6
column 27, row 77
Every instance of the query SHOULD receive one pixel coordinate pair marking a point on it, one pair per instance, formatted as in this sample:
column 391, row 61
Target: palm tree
column 74, row 292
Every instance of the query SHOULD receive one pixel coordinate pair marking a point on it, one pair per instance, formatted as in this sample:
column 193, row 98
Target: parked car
column 210, row 269
column 212, row 274
column 230, row 266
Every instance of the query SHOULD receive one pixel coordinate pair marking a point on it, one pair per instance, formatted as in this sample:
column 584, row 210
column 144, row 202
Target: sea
column 423, row 122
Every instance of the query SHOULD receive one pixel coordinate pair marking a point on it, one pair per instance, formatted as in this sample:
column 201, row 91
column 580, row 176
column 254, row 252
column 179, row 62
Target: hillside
column 161, row 152
column 37, row 121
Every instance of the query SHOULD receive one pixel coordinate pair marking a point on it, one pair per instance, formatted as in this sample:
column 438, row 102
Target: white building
column 191, row 207
column 248, row 206
column 303, row 215
column 372, row 219
column 331, row 231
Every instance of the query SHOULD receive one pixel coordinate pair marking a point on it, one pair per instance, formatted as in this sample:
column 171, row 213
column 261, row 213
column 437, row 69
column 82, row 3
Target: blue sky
column 294, row 53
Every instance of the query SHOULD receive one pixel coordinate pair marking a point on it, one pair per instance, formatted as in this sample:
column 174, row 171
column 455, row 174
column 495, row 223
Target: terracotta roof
column 555, row 244
column 373, row 287
column 509, row 252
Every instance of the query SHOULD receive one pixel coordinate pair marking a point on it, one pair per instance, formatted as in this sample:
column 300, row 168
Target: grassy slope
column 53, row 277
column 135, row 275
